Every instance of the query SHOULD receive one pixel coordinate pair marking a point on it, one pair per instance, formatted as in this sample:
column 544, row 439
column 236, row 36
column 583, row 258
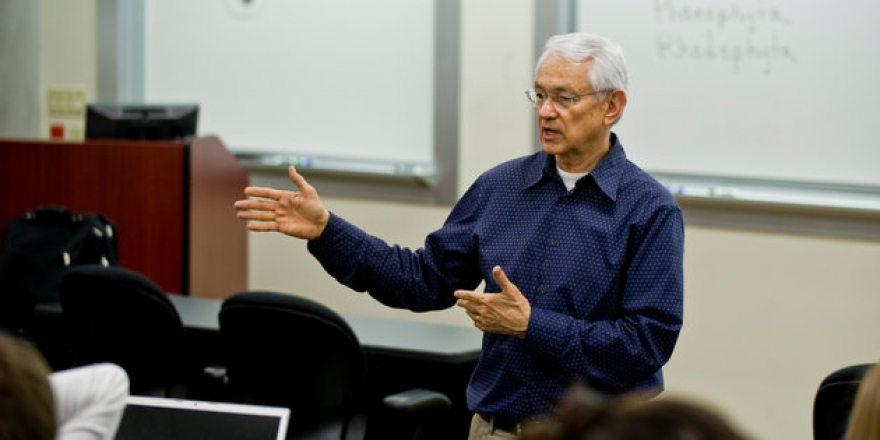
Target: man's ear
column 616, row 102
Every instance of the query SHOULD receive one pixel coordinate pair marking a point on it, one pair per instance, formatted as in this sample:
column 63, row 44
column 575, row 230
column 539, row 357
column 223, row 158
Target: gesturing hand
column 296, row 213
column 506, row 312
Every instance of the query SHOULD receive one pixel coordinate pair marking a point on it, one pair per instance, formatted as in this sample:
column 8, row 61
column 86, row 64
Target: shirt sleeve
column 89, row 401
column 419, row 280
column 615, row 353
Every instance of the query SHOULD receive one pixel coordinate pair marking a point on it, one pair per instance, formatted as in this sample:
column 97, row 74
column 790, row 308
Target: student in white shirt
column 89, row 401
column 83, row 403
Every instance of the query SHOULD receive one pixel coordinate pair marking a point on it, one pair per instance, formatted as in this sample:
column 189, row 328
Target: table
column 392, row 337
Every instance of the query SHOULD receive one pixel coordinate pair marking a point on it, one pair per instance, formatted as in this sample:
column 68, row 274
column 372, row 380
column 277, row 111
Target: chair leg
column 420, row 426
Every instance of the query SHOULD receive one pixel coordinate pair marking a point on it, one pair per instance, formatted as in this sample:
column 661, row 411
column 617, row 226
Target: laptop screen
column 159, row 418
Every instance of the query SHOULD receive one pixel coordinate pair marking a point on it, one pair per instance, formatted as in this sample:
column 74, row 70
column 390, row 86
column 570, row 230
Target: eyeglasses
column 559, row 100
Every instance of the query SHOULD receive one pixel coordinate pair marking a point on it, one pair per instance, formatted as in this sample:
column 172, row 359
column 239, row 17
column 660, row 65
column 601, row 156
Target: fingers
column 260, row 205
column 300, row 182
column 258, row 210
column 467, row 300
column 262, row 227
column 472, row 313
column 262, row 216
column 501, row 278
column 266, row 193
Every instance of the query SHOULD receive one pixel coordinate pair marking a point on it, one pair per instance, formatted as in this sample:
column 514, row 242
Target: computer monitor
column 141, row 121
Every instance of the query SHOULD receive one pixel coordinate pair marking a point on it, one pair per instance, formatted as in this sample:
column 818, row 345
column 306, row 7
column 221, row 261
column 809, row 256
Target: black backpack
column 38, row 246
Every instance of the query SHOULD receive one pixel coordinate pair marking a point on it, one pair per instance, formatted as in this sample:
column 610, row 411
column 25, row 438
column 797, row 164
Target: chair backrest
column 834, row 399
column 285, row 350
column 118, row 315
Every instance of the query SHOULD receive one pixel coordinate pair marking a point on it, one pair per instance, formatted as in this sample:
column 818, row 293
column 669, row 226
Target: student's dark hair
column 26, row 404
column 586, row 415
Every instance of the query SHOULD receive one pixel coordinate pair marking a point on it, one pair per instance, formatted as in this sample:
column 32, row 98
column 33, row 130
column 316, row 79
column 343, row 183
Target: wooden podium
column 171, row 200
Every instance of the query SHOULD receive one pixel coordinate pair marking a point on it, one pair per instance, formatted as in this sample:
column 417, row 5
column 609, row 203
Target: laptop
column 151, row 418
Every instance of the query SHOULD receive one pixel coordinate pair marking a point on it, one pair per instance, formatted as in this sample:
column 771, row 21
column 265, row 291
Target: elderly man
column 581, row 251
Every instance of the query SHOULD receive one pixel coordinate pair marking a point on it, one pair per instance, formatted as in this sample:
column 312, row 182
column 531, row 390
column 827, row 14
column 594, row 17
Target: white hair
column 609, row 67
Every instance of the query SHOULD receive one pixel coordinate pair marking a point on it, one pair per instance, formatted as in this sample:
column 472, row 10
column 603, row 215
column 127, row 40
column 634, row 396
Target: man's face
column 571, row 119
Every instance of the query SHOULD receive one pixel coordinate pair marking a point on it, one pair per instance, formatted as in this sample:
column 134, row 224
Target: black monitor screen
column 151, row 423
column 131, row 121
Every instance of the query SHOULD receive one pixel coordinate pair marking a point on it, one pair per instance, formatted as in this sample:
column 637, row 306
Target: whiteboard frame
column 121, row 68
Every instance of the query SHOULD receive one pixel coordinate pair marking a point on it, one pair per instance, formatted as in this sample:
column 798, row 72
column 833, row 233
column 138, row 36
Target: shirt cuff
column 547, row 333
column 338, row 234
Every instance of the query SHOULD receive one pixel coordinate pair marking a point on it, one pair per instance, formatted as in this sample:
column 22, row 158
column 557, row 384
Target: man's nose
column 547, row 109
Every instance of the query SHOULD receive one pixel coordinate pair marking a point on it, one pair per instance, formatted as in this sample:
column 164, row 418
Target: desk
column 381, row 336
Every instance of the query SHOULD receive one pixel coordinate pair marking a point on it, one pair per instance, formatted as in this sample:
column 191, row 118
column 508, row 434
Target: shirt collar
column 606, row 174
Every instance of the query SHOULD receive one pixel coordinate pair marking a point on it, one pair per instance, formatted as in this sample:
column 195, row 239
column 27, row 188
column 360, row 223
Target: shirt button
column 552, row 242
column 542, row 290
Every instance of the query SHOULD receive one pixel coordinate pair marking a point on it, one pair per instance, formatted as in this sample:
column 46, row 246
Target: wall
column 19, row 68
column 48, row 55
column 68, row 64
column 767, row 314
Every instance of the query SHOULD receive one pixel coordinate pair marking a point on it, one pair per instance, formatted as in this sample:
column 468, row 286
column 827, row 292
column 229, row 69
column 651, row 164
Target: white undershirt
column 569, row 179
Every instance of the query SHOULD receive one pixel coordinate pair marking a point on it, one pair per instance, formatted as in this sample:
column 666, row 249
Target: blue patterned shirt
column 601, row 266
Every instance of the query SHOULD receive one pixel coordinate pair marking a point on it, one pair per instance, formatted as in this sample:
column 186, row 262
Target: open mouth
column 549, row 133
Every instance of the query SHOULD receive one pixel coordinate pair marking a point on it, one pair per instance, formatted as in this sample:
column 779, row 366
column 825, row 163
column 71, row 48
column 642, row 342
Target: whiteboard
column 766, row 89
column 340, row 78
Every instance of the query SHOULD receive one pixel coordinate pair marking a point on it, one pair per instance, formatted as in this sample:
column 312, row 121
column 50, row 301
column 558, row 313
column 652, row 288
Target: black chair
column 118, row 315
column 285, row 350
column 834, row 400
